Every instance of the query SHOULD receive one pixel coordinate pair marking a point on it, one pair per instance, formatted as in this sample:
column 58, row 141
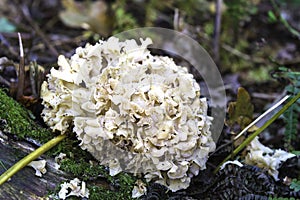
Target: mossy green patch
column 81, row 168
column 113, row 187
column 18, row 121
column 101, row 193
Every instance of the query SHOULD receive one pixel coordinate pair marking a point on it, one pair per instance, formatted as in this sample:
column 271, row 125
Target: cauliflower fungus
column 133, row 111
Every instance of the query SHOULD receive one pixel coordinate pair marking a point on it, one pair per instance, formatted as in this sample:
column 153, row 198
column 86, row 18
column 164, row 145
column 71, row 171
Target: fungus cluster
column 133, row 111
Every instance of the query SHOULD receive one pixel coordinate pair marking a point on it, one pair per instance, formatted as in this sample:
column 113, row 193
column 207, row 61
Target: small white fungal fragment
column 76, row 189
column 266, row 158
column 139, row 189
column 58, row 159
column 39, row 166
column 235, row 162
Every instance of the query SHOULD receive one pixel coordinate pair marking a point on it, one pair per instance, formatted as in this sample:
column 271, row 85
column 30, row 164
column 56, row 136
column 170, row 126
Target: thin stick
column 176, row 19
column 21, row 74
column 258, row 131
column 27, row 16
column 242, row 55
column 292, row 30
column 30, row 157
column 262, row 116
column 1, row 163
column 217, row 31
column 235, row 52
column 2, row 80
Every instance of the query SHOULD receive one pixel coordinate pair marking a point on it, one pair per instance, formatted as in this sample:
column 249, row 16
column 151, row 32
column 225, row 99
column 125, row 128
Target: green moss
column 259, row 75
column 112, row 187
column 19, row 121
column 123, row 184
column 100, row 193
column 81, row 168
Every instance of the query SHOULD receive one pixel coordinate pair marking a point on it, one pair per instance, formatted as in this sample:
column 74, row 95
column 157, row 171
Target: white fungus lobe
column 131, row 110
column 39, row 167
column 266, row 158
column 139, row 189
column 73, row 188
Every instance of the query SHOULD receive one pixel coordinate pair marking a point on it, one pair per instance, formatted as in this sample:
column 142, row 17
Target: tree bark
column 24, row 184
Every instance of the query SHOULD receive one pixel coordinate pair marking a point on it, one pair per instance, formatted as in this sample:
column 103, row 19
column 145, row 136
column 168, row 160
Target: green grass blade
column 30, row 157
column 258, row 131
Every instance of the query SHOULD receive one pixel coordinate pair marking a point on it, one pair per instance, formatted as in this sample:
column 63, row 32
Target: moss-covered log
column 24, row 184
column 20, row 135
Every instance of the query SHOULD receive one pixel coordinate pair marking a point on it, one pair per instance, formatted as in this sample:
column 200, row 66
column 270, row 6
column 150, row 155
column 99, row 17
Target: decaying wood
column 24, row 184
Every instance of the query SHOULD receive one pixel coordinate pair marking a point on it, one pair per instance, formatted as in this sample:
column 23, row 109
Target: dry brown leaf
column 89, row 15
column 241, row 111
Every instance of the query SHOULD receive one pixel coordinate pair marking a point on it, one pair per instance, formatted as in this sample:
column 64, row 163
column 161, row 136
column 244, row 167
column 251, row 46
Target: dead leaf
column 253, row 128
column 28, row 101
column 36, row 75
column 90, row 15
column 240, row 112
column 238, row 142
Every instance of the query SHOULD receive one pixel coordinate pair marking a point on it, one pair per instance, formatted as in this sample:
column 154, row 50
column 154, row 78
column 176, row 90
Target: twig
column 258, row 131
column 296, row 61
column 27, row 16
column 221, row 147
column 242, row 55
column 30, row 157
column 2, row 165
column 21, row 74
column 176, row 19
column 13, row 36
column 4, row 81
column 217, row 29
column 292, row 30
column 264, row 96
column 235, row 51
column 7, row 45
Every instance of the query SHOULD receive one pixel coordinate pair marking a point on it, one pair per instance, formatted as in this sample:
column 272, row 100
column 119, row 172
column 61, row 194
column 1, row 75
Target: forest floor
column 257, row 48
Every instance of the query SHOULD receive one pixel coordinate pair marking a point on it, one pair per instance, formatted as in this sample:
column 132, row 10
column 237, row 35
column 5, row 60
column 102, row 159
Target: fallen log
column 24, row 184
